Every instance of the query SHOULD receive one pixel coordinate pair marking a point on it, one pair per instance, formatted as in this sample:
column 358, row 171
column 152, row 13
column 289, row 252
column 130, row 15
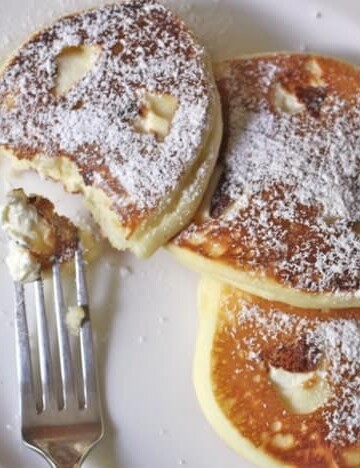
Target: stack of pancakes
column 120, row 103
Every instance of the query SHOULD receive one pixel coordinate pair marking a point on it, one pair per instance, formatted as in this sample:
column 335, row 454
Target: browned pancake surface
column 252, row 335
column 288, row 203
column 144, row 48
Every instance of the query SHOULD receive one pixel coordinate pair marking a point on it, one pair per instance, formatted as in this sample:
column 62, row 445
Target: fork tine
column 27, row 396
column 62, row 435
column 66, row 369
column 86, row 337
column 44, row 347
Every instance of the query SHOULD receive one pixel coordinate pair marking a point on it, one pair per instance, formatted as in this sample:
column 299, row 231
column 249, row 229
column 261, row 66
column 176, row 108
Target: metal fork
column 65, row 423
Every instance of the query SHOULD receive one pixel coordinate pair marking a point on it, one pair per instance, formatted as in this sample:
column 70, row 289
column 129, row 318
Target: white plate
column 146, row 322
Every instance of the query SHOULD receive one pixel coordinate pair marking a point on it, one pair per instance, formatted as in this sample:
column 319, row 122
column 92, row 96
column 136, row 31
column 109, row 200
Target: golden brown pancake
column 118, row 103
column 281, row 219
column 279, row 384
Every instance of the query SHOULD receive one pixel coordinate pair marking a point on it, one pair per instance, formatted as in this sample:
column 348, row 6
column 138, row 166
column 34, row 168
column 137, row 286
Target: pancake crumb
column 74, row 319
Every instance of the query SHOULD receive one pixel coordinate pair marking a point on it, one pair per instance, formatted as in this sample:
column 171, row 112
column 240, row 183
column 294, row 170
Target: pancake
column 279, row 384
column 38, row 234
column 118, row 103
column 281, row 219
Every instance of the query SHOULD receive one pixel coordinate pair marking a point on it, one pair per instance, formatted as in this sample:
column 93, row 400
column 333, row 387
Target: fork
column 64, row 423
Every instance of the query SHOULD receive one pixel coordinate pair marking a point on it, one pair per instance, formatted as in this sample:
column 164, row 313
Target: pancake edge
column 261, row 286
column 208, row 297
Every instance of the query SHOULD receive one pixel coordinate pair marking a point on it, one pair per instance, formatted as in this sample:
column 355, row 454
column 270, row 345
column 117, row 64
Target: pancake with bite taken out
column 118, row 103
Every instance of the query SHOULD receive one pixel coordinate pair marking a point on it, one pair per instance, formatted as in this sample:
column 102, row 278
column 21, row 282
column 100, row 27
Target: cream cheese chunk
column 22, row 265
column 18, row 218
column 20, row 222
column 303, row 392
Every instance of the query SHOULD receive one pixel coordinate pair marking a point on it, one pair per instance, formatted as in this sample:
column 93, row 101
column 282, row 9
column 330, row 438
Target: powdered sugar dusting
column 341, row 342
column 337, row 341
column 297, row 174
column 94, row 123
column 264, row 150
